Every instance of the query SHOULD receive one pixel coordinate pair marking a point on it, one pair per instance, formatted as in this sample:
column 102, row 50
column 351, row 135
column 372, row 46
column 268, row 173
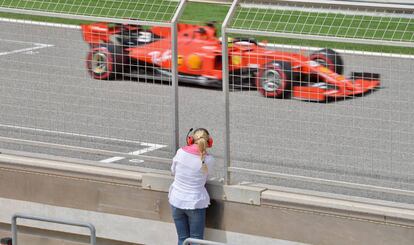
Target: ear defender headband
column 190, row 138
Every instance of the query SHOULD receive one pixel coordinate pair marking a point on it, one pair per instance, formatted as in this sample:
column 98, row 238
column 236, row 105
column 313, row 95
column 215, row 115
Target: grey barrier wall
column 123, row 207
column 352, row 146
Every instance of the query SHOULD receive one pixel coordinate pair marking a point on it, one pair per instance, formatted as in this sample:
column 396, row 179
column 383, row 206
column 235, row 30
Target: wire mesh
column 327, row 116
column 200, row 104
column 200, row 13
column 326, row 21
column 91, row 91
column 149, row 10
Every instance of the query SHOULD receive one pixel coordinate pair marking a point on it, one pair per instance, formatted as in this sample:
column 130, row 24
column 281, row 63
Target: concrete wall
column 132, row 207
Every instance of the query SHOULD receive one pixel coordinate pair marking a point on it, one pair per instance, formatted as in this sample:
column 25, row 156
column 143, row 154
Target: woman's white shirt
column 188, row 189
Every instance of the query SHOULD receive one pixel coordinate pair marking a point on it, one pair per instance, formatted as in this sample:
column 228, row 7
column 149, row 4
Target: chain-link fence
column 105, row 86
column 326, row 97
column 316, row 96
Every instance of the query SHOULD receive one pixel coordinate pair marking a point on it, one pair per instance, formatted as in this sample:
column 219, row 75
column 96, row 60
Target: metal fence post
column 14, row 230
column 174, row 70
column 225, row 57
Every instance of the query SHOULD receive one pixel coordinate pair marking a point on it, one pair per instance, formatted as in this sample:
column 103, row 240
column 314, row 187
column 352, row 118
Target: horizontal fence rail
column 279, row 19
column 372, row 4
column 86, row 18
column 149, row 10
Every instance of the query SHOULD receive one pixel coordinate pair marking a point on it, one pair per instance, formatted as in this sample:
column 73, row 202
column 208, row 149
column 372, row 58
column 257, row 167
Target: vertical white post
column 226, row 84
column 174, row 71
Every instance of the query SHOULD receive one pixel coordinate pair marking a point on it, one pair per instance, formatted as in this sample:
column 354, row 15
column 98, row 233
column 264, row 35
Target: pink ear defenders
column 190, row 138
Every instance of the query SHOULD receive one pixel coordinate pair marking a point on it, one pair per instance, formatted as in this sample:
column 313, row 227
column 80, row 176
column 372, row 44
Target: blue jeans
column 189, row 223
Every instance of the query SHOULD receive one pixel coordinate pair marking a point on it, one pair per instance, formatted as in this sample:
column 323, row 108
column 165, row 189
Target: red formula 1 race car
column 133, row 51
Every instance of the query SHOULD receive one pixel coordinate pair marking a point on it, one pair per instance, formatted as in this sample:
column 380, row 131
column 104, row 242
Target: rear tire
column 106, row 62
column 245, row 39
column 275, row 80
column 330, row 59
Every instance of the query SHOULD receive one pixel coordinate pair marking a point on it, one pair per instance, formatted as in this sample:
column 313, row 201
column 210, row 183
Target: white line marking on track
column 17, row 41
column 151, row 147
column 25, row 50
column 341, row 51
column 69, row 134
column 136, row 161
column 112, row 159
column 37, row 46
column 331, row 10
column 148, row 146
column 39, row 23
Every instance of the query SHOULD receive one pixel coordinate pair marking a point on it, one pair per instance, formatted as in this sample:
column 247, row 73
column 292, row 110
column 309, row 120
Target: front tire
column 275, row 80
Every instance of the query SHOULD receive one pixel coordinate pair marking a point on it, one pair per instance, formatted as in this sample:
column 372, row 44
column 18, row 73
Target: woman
column 188, row 196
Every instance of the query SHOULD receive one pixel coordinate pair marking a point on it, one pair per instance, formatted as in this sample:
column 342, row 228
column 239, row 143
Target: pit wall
column 131, row 207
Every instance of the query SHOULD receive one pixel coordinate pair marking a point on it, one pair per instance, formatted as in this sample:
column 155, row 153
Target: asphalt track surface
column 46, row 95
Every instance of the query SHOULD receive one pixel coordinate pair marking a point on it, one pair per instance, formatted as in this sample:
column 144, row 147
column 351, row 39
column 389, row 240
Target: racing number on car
column 144, row 37
column 157, row 57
